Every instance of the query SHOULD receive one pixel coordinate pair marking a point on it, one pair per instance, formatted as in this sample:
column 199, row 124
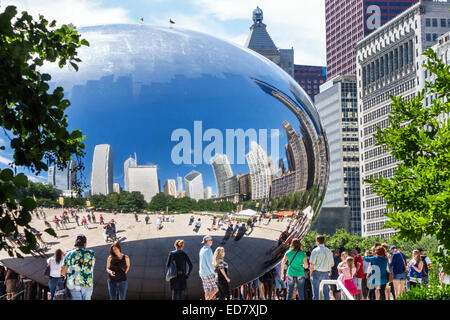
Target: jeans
column 117, row 290
column 54, row 283
column 81, row 293
column 300, row 281
column 316, row 278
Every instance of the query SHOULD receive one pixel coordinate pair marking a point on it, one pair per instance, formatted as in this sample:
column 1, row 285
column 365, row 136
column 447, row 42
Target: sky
column 291, row 23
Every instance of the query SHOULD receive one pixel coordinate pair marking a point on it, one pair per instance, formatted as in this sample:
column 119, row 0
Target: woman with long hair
column 221, row 269
column 55, row 264
column 297, row 262
column 178, row 284
column 117, row 267
column 415, row 269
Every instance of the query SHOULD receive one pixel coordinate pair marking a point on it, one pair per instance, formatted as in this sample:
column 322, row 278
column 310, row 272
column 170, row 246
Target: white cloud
column 79, row 13
column 37, row 178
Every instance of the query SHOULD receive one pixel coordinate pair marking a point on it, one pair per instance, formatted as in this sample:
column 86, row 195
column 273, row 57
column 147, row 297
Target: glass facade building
column 347, row 22
column 337, row 106
column 102, row 170
column 145, row 180
column 310, row 78
column 194, row 185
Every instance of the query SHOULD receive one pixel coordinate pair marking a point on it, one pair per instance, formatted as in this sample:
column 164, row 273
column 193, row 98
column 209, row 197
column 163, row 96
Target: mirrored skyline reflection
column 138, row 84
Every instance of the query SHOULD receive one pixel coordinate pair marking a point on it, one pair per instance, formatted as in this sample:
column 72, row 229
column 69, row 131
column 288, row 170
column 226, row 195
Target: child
column 348, row 270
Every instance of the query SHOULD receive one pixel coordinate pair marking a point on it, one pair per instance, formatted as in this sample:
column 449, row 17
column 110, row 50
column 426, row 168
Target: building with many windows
column 347, row 22
column 116, row 187
column 208, row 193
column 102, row 170
column 338, row 110
column 310, row 78
column 260, row 172
column 389, row 62
column 222, row 172
column 129, row 163
column 62, row 179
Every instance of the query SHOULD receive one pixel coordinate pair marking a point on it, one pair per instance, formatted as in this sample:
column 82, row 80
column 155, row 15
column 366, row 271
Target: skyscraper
column 116, row 188
column 144, row 178
column 194, row 185
column 208, row 193
column 102, row 170
column 179, row 184
column 347, row 22
column 260, row 172
column 129, row 163
column 390, row 65
column 170, row 187
column 260, row 41
column 62, row 179
column 310, row 78
column 338, row 110
column 222, row 172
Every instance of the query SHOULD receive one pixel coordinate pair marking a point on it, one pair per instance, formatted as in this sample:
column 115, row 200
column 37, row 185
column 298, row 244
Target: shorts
column 280, row 284
column 11, row 285
column 209, row 283
column 400, row 276
column 358, row 283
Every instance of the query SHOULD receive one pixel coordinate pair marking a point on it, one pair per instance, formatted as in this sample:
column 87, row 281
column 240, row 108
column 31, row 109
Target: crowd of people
column 383, row 272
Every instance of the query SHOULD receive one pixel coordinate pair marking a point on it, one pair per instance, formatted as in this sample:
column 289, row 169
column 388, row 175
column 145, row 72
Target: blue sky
column 291, row 23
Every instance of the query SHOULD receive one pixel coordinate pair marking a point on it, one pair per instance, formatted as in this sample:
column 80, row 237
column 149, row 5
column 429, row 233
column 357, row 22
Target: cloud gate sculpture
column 185, row 101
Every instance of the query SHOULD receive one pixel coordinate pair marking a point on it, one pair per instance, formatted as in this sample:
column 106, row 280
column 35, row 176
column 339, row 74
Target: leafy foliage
column 433, row 291
column 162, row 201
column 32, row 118
column 419, row 192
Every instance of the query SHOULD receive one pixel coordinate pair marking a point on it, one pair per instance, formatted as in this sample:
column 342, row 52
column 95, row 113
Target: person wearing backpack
column 178, row 284
column 399, row 270
column 297, row 262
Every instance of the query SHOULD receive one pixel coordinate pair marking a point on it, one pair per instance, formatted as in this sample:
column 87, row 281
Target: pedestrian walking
column 78, row 268
column 89, row 217
column 296, row 261
column 198, row 224
column 178, row 284
column 84, row 223
column 378, row 277
column 320, row 265
column 55, row 280
column 206, row 269
column 147, row 219
column 102, row 221
column 228, row 234
column 222, row 278
column 136, row 217
column 117, row 267
column 94, row 220
column 76, row 219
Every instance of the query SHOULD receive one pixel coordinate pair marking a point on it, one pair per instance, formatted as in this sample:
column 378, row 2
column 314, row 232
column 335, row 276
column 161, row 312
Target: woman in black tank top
column 117, row 267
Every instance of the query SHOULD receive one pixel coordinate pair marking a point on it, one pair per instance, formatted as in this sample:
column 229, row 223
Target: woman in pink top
column 347, row 269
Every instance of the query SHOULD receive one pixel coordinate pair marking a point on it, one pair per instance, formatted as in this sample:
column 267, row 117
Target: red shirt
column 360, row 273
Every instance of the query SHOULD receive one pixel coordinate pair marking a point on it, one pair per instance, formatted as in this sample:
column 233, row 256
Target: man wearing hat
column 78, row 268
column 399, row 270
column 206, row 269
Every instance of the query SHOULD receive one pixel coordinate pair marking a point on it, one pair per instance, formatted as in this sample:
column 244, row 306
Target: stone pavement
column 148, row 250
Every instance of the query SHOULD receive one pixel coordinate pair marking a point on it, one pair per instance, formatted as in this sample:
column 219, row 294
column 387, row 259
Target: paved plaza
column 148, row 250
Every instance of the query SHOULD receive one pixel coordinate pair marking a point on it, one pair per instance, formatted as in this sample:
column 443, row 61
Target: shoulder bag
column 47, row 271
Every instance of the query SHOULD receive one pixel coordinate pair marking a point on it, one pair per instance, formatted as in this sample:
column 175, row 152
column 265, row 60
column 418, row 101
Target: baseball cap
column 392, row 248
column 206, row 239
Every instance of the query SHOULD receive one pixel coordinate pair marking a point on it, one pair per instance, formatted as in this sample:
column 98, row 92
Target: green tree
column 418, row 194
column 33, row 118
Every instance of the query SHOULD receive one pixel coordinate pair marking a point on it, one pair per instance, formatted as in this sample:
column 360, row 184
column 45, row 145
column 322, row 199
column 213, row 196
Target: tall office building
column 260, row 172
column 129, row 163
column 170, row 187
column 389, row 62
column 260, row 41
column 231, row 185
column 338, row 110
column 179, row 185
column 116, row 188
column 208, row 193
column 194, row 185
column 296, row 178
column 222, row 172
column 62, row 179
column 144, row 178
column 310, row 78
column 245, row 187
column 102, row 170
column 349, row 21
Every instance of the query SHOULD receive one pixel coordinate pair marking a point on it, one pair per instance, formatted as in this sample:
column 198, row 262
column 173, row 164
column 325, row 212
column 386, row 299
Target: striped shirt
column 322, row 259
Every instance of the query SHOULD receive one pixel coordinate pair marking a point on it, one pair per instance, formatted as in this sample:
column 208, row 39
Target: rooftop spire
column 257, row 15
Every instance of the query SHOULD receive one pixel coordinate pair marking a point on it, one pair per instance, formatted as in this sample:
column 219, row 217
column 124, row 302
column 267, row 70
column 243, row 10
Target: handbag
column 171, row 271
column 47, row 271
